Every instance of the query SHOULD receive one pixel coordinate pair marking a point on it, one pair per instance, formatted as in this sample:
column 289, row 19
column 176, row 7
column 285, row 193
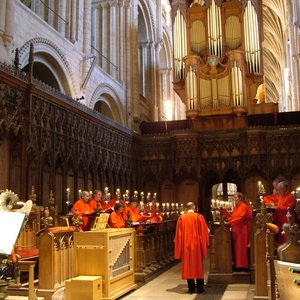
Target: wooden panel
column 287, row 289
column 84, row 287
column 108, row 253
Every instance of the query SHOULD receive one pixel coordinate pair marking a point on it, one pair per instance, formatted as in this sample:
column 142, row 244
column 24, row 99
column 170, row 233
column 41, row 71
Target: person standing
column 84, row 209
column 191, row 242
column 281, row 201
column 240, row 227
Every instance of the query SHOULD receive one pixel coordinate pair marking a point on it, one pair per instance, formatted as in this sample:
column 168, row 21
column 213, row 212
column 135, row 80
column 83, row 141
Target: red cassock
column 240, row 225
column 116, row 220
column 103, row 206
column 82, row 208
column 135, row 215
column 282, row 203
column 93, row 205
column 191, row 242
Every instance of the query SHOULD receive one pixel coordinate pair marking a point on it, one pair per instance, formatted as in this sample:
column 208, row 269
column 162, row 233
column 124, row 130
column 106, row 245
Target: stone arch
column 48, row 54
column 107, row 95
column 147, row 17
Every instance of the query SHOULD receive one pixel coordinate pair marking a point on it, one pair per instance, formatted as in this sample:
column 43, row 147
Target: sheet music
column 10, row 226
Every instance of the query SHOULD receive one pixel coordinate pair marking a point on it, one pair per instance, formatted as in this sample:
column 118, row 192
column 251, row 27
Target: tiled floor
column 169, row 285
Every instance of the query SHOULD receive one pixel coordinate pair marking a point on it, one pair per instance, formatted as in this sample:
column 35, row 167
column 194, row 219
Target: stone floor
column 169, row 285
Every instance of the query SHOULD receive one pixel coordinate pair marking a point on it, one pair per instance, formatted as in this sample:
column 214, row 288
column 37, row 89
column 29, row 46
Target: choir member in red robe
column 240, row 224
column 132, row 212
column 116, row 219
column 99, row 202
column 191, row 242
column 281, row 201
column 96, row 201
column 83, row 209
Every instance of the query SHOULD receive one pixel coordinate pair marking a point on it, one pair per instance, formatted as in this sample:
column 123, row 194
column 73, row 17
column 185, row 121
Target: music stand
column 100, row 222
column 10, row 226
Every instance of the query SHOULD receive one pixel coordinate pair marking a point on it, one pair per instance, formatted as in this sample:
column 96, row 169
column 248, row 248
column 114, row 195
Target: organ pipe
column 180, row 47
column 252, row 47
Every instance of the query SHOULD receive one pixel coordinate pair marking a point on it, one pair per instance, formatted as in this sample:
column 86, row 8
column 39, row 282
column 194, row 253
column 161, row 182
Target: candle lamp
column 148, row 196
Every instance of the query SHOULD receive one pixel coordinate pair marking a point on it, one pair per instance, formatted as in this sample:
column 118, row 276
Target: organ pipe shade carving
column 214, row 23
column 191, row 86
column 251, row 36
column 180, row 45
column 198, row 37
column 233, row 33
column 237, row 85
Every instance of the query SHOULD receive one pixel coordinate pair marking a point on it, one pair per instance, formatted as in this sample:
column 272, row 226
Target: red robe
column 135, row 215
column 103, row 206
column 240, row 225
column 82, row 207
column 116, row 220
column 281, row 202
column 191, row 242
column 93, row 205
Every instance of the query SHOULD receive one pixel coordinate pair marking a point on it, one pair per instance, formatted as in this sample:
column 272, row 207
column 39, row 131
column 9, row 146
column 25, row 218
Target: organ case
column 108, row 253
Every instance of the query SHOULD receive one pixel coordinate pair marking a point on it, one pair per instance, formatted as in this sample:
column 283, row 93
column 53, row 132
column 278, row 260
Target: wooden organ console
column 108, row 253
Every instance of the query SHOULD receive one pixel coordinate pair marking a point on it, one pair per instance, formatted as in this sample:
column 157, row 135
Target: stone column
column 2, row 16
column 86, row 36
column 127, row 70
column 73, row 21
column 154, row 76
column 9, row 22
column 113, row 38
column 144, row 84
column 121, row 46
column 61, row 18
column 105, row 35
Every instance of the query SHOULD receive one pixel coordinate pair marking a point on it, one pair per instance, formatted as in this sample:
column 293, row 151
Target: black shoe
column 200, row 286
column 191, row 286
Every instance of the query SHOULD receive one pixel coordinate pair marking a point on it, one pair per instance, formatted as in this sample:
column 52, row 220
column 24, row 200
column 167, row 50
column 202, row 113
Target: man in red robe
column 84, row 209
column 281, row 201
column 191, row 242
column 240, row 225
column 95, row 203
column 116, row 219
column 132, row 212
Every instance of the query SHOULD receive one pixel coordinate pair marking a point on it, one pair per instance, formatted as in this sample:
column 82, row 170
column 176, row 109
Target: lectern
column 108, row 253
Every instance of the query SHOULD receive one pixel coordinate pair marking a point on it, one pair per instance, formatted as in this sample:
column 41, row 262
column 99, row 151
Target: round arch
column 46, row 53
column 107, row 102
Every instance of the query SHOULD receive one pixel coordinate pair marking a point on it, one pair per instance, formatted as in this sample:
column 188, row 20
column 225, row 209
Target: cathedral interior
column 187, row 100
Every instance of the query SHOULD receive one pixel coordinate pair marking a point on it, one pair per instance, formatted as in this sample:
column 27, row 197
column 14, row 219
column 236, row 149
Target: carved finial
column 32, row 196
column 290, row 229
column 47, row 220
column 77, row 220
column 31, row 61
column 51, row 200
column 263, row 216
column 17, row 59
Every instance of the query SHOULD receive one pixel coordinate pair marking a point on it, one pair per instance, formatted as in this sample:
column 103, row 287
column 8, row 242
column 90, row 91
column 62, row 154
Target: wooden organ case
column 218, row 60
column 108, row 253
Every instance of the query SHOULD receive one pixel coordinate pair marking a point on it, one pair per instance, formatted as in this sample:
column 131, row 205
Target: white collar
column 190, row 210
